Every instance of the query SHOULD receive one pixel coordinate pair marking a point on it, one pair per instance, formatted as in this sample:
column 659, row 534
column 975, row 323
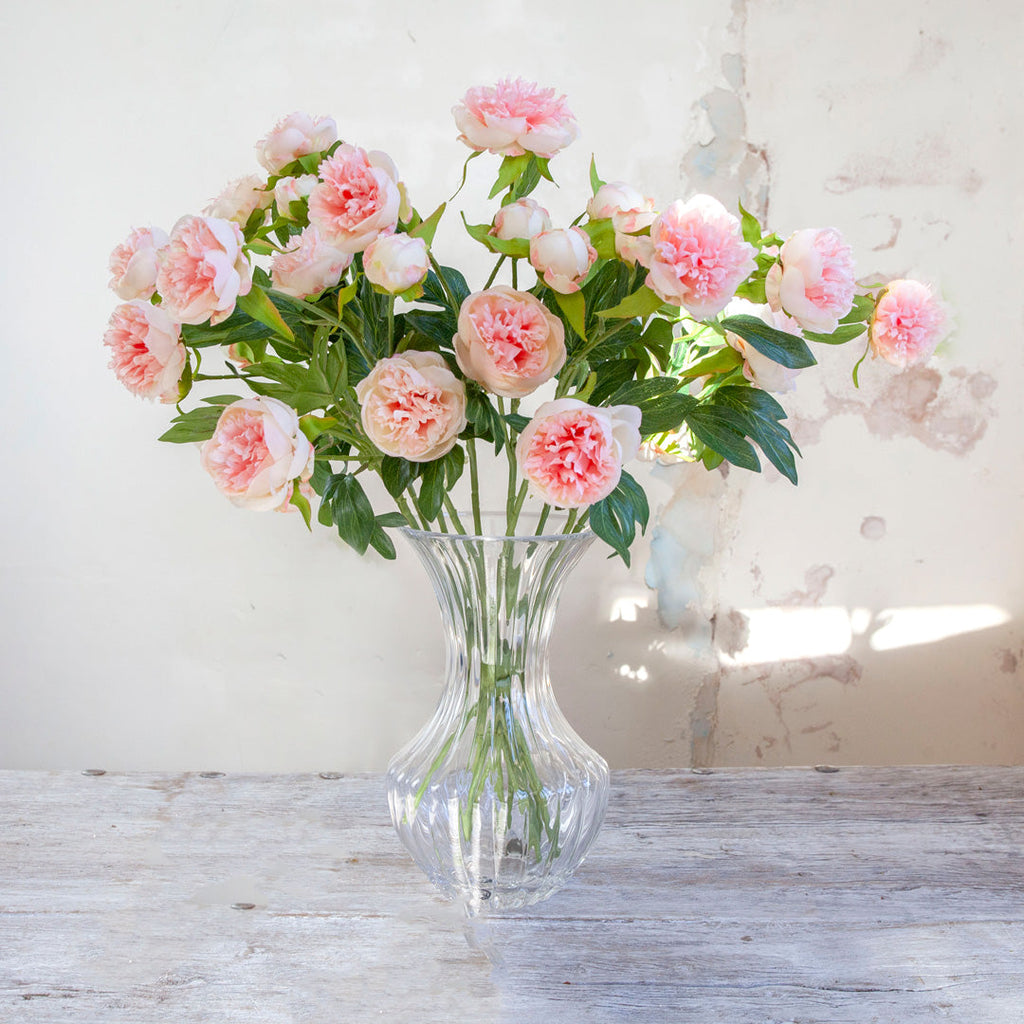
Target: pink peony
column 203, row 270
column 239, row 199
column 309, row 266
column 765, row 373
column 396, row 263
column 256, row 453
column 572, row 453
column 522, row 219
column 629, row 211
column 146, row 354
column 357, row 199
column 134, row 264
column 907, row 324
column 563, row 256
column 296, row 135
column 413, row 406
column 292, row 190
column 698, row 257
column 813, row 279
column 514, row 117
column 508, row 341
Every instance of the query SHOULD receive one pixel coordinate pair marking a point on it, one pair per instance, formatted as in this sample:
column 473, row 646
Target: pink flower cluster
column 515, row 117
column 147, row 356
column 907, row 324
column 813, row 280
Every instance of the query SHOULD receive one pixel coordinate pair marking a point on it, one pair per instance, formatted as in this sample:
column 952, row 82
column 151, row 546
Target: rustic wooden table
column 893, row 895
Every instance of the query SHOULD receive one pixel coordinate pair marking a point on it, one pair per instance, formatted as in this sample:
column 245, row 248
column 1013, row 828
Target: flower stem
column 494, row 272
column 444, row 284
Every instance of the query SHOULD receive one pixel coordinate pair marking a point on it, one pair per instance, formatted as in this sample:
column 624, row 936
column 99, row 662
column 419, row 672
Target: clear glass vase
column 497, row 798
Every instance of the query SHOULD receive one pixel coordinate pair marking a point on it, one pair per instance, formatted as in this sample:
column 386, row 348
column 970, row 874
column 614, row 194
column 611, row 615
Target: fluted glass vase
column 497, row 798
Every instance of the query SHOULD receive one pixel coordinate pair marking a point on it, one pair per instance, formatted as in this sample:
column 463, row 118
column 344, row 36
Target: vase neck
column 497, row 597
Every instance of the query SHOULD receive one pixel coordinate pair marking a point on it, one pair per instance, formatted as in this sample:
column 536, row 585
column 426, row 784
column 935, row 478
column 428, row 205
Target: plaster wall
column 872, row 615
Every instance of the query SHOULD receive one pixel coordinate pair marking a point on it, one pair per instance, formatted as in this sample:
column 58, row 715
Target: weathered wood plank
column 892, row 895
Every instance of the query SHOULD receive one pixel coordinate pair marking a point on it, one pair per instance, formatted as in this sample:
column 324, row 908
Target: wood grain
column 742, row 896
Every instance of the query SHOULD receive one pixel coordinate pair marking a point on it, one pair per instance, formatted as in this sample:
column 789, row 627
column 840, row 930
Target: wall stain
column 1008, row 661
column 816, row 580
column 873, row 528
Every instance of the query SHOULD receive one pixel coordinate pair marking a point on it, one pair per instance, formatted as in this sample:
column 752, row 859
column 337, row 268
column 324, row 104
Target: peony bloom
column 357, row 199
column 310, row 266
column 396, row 262
column 256, row 452
column 629, row 211
column 413, row 406
column 203, row 270
column 515, row 117
column 907, row 324
column 294, row 136
column 813, row 280
column 698, row 257
column 765, row 373
column 522, row 219
column 239, row 199
column 572, row 453
column 292, row 190
column 563, row 256
column 147, row 356
column 134, row 263
column 508, row 341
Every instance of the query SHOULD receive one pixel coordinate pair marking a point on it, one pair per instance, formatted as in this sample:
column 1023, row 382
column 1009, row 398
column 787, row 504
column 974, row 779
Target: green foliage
column 197, row 425
column 614, row 519
column 786, row 349
column 641, row 303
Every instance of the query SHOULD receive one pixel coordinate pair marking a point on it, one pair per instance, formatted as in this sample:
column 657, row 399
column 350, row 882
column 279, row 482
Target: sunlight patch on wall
column 908, row 627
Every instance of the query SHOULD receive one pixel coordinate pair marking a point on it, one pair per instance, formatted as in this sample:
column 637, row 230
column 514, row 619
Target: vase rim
column 554, row 517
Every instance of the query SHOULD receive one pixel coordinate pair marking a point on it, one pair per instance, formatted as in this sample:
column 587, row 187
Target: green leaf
column 520, row 423
column 665, row 414
column 612, row 374
column 465, row 171
column 614, row 521
column 454, row 464
column 185, row 382
column 639, row 392
column 346, row 295
column 602, row 237
column 785, row 349
column 486, row 420
column 432, row 489
column 840, row 336
column 397, row 474
column 658, row 338
column 573, row 306
column 722, row 360
column 638, row 498
column 391, row 520
column 595, row 180
column 197, row 425
column 425, row 229
column 259, row 307
column 518, row 247
column 511, row 168
column 221, row 400
column 310, row 163
column 750, row 226
column 641, row 303
column 530, row 178
column 301, row 502
column 353, row 514
column 861, row 310
column 721, row 429
column 382, row 543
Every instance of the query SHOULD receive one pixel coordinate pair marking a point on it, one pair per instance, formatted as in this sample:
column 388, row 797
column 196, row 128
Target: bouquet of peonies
column 349, row 346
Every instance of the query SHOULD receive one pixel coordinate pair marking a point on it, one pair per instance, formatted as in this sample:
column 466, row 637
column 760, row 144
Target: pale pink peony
column 508, row 341
column 292, row 190
column 699, row 258
column 134, row 264
column 563, row 256
column 629, row 211
column 256, row 453
column 813, row 279
column 522, row 219
column 357, row 199
column 765, row 373
column 239, row 199
column 146, row 352
column 203, row 270
column 572, row 453
column 296, row 135
column 515, row 117
column 413, row 406
column 309, row 266
column 396, row 263
column 907, row 324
